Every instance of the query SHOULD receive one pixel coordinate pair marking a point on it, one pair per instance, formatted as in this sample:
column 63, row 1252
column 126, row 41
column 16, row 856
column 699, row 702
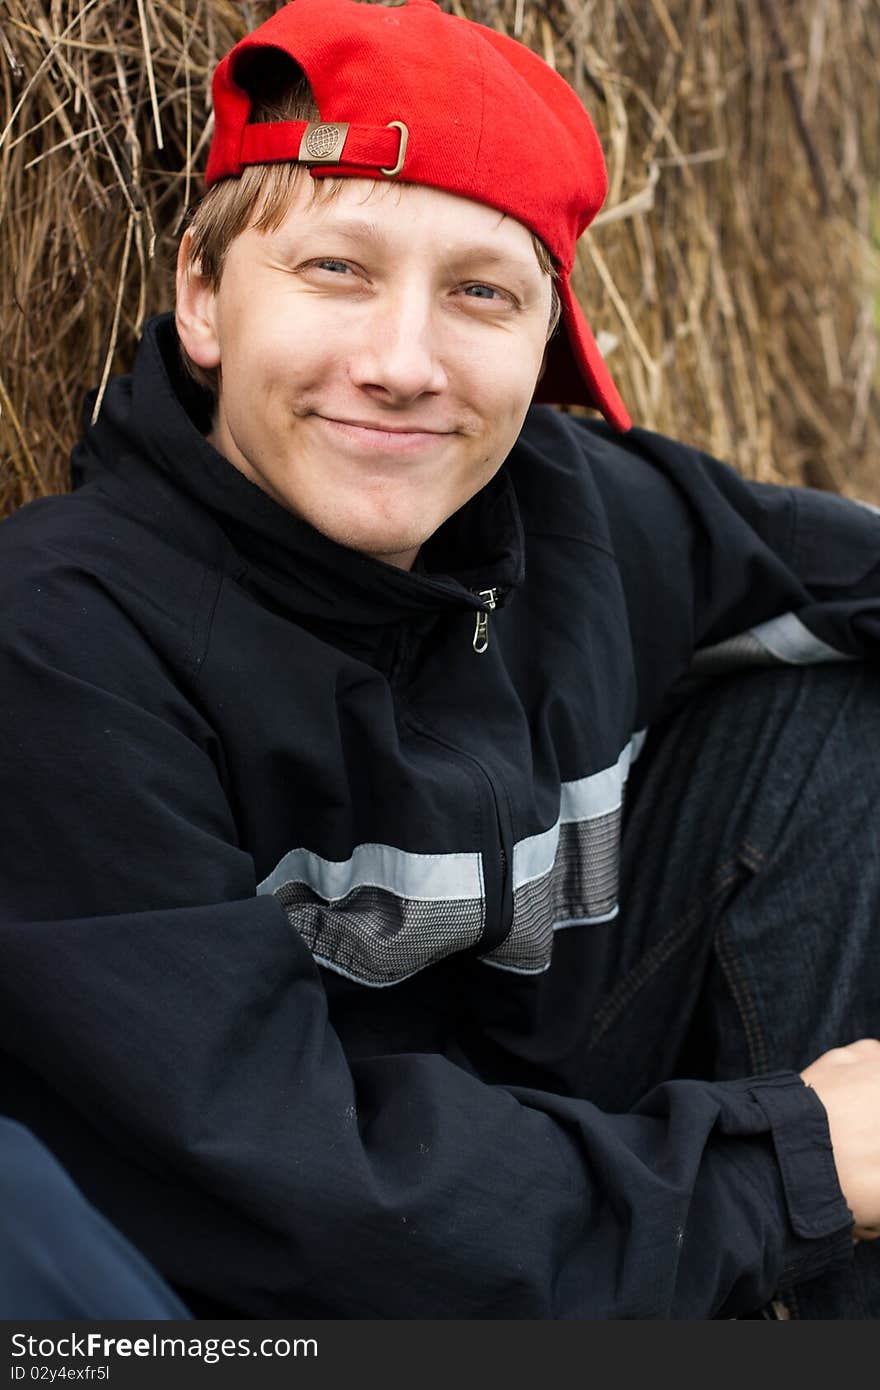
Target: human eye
column 333, row 275
column 481, row 291
column 494, row 297
column 332, row 266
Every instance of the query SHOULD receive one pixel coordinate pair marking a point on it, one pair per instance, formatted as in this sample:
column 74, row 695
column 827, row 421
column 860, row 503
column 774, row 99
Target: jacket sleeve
column 166, row 1032
column 737, row 572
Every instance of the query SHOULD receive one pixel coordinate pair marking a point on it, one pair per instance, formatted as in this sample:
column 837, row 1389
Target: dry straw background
column 733, row 274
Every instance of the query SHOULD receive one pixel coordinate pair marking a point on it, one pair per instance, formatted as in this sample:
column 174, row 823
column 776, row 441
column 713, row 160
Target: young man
column 333, row 973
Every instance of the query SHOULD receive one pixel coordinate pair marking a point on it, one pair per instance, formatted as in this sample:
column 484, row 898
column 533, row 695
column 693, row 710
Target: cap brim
column 575, row 372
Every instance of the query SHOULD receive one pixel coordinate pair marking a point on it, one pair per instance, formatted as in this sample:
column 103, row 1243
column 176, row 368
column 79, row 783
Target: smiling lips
column 397, row 439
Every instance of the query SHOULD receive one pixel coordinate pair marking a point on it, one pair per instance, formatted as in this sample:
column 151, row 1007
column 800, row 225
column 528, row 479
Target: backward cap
column 484, row 118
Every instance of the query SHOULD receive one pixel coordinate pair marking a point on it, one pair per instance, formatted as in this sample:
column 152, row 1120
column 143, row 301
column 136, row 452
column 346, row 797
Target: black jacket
column 285, row 861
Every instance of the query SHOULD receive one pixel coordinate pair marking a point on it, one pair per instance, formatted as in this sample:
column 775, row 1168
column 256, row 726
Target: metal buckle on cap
column 401, row 153
column 322, row 142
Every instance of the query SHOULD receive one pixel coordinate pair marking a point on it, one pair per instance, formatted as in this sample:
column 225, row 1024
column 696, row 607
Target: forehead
column 400, row 215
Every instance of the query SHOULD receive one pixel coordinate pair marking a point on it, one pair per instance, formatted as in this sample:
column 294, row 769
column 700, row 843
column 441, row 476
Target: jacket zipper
column 498, row 900
column 481, row 630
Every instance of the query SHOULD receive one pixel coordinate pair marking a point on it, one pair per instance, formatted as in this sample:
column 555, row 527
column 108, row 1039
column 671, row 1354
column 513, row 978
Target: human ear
column 196, row 310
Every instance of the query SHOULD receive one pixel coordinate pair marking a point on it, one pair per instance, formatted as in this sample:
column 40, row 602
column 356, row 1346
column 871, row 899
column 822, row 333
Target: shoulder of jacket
column 76, row 562
column 568, row 470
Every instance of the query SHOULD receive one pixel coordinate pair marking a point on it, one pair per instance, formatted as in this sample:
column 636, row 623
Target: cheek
column 253, row 330
column 258, row 368
column 288, row 354
column 510, row 396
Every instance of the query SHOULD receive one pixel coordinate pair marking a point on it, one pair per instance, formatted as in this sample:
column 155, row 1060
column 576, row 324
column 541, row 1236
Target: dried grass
column 733, row 275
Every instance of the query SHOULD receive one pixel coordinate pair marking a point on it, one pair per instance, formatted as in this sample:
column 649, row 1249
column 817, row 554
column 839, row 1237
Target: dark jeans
column 749, row 941
column 750, row 914
column 59, row 1258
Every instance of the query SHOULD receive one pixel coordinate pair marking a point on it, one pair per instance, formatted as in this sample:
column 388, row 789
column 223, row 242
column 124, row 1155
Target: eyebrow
column 356, row 228
column 349, row 228
column 359, row 229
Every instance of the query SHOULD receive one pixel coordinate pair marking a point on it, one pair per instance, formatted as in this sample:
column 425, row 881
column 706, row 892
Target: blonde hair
column 260, row 197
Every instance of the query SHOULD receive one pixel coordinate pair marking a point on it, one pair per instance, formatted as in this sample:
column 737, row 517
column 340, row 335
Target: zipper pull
column 481, row 630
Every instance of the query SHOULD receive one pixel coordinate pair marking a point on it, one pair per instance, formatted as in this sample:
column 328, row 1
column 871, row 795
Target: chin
column 380, row 542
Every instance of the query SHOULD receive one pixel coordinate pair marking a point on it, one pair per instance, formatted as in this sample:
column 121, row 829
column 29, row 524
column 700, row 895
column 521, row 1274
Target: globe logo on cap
column 322, row 141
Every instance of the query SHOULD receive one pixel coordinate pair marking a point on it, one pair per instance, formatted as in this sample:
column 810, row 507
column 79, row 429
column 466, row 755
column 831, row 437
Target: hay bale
column 733, row 275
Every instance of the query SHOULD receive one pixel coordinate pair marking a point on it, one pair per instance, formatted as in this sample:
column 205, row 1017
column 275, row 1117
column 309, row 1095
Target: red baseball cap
column 409, row 92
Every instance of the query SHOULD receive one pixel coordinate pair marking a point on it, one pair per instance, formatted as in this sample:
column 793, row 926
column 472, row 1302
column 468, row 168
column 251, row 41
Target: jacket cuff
column 820, row 1235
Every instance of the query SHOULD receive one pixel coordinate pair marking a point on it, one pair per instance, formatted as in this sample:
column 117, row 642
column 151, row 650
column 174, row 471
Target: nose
column 398, row 357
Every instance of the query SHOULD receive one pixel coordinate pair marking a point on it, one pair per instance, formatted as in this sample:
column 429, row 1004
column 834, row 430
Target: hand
column 847, row 1081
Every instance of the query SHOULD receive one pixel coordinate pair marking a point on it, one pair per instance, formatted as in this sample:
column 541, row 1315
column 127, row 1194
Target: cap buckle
column 401, row 152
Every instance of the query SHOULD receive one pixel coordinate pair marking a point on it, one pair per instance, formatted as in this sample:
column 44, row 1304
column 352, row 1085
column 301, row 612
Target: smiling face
column 376, row 354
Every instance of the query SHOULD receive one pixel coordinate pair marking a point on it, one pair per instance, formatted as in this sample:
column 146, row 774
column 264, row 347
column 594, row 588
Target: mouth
column 386, row 439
